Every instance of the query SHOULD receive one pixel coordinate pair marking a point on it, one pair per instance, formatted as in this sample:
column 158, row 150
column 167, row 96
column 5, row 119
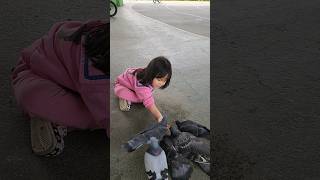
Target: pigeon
column 179, row 166
column 157, row 130
column 155, row 161
column 194, row 148
column 194, row 128
column 197, row 130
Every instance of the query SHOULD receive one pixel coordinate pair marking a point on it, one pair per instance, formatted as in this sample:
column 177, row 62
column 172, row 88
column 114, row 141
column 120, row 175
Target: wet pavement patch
column 174, row 111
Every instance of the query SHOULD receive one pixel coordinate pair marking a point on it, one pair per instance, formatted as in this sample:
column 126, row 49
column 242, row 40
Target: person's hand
column 160, row 119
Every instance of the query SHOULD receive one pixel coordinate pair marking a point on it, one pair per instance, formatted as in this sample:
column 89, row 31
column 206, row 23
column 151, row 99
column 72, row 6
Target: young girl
column 135, row 85
column 62, row 80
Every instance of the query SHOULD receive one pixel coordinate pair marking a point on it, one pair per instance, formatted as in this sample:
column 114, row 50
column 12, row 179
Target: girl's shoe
column 46, row 138
column 124, row 105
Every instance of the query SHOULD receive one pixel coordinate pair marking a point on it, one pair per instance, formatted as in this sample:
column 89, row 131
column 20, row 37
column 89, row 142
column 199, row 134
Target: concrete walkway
column 135, row 40
column 187, row 15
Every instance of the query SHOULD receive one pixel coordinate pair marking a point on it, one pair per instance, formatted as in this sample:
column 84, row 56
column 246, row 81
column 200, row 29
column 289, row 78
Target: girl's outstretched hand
column 160, row 118
column 159, row 121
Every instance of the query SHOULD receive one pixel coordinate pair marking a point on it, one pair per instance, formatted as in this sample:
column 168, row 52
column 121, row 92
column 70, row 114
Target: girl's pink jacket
column 65, row 63
column 128, row 87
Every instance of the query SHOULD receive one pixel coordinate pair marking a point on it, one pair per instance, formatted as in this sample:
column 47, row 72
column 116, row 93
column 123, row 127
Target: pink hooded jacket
column 128, row 87
column 65, row 63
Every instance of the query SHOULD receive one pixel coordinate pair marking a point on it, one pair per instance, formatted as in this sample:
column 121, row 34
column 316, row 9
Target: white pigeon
column 155, row 161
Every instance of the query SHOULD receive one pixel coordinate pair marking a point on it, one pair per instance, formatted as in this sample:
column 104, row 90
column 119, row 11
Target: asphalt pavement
column 266, row 89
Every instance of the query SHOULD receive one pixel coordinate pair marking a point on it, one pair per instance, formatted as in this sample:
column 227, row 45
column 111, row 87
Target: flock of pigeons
column 172, row 151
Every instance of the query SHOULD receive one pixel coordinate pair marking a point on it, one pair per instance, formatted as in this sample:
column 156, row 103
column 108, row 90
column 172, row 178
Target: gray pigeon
column 155, row 161
column 194, row 148
column 194, row 128
column 157, row 130
column 180, row 167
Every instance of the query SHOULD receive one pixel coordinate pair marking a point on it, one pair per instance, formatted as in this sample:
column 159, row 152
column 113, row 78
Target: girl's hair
column 158, row 67
column 97, row 43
